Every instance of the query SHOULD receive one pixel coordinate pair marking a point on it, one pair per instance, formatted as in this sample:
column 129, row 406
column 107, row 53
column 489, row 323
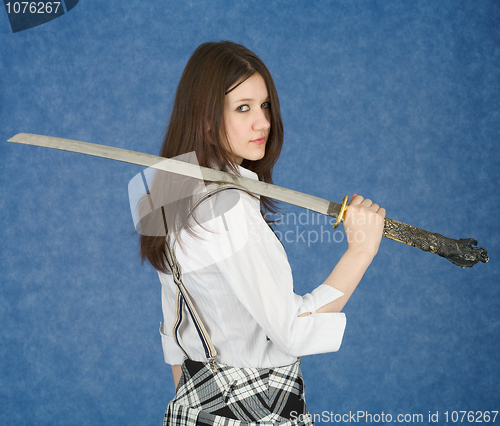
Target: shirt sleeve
column 248, row 254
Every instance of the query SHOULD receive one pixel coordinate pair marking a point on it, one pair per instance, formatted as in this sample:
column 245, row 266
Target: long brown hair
column 197, row 121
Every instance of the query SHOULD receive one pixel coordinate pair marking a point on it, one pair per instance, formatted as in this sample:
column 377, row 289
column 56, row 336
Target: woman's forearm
column 177, row 373
column 363, row 224
column 346, row 276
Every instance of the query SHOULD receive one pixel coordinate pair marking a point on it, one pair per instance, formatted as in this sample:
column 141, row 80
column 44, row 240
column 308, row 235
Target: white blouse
column 237, row 273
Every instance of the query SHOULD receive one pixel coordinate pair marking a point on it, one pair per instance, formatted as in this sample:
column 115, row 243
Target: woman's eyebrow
column 243, row 100
column 249, row 100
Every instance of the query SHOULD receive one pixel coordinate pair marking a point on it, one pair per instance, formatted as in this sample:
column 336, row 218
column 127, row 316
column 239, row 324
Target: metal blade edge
column 275, row 192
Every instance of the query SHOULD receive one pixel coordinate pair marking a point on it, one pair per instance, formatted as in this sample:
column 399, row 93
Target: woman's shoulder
column 227, row 195
column 226, row 198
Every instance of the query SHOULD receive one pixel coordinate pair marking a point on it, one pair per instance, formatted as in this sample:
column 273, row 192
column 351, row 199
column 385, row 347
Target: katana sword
column 459, row 252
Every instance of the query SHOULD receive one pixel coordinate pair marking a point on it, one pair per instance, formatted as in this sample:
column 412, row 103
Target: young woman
column 228, row 276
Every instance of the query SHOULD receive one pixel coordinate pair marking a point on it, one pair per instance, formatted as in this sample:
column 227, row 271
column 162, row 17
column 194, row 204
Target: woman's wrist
column 361, row 254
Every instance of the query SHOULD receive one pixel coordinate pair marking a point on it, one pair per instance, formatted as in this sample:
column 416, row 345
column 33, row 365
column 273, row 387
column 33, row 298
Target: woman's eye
column 243, row 108
column 266, row 105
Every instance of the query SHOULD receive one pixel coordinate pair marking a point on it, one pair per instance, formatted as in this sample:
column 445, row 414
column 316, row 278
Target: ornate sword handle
column 459, row 252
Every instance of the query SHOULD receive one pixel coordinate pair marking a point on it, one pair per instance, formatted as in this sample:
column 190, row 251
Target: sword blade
column 459, row 252
column 279, row 193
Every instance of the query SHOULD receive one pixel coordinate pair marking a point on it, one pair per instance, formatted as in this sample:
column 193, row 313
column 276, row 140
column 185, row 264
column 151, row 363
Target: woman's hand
column 363, row 225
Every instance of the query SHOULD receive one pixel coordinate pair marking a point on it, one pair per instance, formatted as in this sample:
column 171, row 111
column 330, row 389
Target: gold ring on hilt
column 343, row 208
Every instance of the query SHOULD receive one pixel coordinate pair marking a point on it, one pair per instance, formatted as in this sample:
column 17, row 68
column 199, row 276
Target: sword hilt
column 459, row 252
column 341, row 215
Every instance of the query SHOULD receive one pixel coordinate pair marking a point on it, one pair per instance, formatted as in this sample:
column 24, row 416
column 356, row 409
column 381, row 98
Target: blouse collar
column 248, row 173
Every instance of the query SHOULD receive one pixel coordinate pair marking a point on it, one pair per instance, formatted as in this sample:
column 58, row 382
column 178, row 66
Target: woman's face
column 247, row 117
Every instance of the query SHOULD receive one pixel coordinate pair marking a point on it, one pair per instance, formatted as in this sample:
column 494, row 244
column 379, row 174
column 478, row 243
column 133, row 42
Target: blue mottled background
column 394, row 100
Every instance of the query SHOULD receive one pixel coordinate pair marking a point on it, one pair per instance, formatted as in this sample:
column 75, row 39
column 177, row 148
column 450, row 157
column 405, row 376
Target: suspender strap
column 178, row 320
column 182, row 295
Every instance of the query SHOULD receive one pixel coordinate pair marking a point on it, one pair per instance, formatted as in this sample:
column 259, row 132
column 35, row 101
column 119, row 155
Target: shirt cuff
column 171, row 352
column 318, row 334
column 319, row 297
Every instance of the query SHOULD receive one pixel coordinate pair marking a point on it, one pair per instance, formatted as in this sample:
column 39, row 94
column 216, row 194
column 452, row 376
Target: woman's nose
column 261, row 122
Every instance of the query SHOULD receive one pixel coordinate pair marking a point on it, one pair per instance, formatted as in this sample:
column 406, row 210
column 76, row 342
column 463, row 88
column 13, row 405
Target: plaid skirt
column 238, row 396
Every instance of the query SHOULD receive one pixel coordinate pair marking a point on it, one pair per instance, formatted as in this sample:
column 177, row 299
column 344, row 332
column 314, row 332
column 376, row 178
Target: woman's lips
column 259, row 141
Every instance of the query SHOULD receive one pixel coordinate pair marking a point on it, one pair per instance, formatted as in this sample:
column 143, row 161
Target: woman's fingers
column 361, row 206
column 363, row 224
column 366, row 203
column 356, row 200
